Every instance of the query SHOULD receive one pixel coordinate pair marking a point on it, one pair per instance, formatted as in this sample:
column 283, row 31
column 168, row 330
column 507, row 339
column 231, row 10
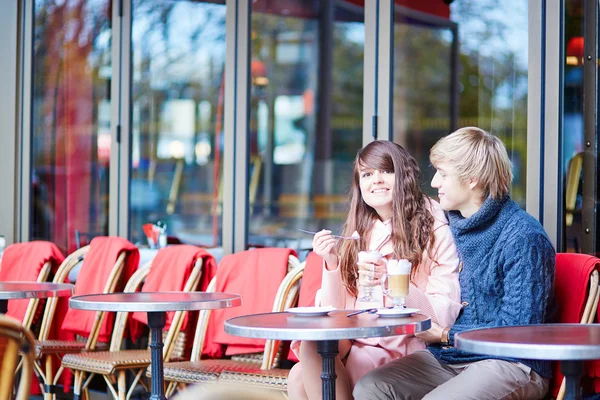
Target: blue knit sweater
column 507, row 274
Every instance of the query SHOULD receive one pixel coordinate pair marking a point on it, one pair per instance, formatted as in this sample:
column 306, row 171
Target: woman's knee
column 295, row 374
column 308, row 349
column 295, row 386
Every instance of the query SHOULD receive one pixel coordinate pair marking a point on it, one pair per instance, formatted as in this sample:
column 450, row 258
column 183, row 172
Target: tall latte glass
column 395, row 282
column 367, row 289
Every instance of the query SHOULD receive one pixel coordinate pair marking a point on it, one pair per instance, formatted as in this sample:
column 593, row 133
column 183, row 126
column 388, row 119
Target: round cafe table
column 570, row 344
column 327, row 330
column 156, row 304
column 31, row 290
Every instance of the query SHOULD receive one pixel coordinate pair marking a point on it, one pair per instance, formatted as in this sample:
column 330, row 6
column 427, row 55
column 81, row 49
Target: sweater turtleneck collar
column 488, row 211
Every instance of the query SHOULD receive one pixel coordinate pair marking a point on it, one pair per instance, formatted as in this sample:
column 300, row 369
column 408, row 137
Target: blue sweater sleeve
column 528, row 268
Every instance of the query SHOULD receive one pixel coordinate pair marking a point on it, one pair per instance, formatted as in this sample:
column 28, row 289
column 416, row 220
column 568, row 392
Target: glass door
column 580, row 98
column 306, row 108
column 177, row 110
column 425, row 104
column 464, row 64
column 70, row 121
column 573, row 132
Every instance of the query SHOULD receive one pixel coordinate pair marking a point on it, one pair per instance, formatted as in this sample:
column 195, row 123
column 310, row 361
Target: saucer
column 311, row 311
column 396, row 312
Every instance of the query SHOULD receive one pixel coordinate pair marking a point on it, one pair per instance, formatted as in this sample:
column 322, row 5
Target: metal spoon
column 335, row 236
column 369, row 310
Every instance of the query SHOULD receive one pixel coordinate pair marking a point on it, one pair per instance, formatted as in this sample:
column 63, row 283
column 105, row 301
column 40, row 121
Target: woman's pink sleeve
column 333, row 291
column 440, row 296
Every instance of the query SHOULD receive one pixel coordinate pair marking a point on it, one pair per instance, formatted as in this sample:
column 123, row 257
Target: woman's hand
column 370, row 270
column 324, row 244
column 432, row 335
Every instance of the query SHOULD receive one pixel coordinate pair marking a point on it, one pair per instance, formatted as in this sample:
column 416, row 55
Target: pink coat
column 436, row 293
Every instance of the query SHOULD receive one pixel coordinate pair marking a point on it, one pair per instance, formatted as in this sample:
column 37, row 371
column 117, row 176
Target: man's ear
column 473, row 183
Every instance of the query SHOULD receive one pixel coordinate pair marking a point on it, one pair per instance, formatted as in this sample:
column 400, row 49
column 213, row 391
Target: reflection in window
column 573, row 137
column 490, row 88
column 305, row 116
column 178, row 58
column 422, row 85
column 70, row 120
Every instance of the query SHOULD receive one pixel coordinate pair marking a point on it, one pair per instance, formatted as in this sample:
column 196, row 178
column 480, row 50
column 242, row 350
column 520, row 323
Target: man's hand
column 432, row 335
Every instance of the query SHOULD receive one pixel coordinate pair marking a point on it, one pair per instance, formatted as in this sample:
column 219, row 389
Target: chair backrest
column 29, row 261
column 171, row 342
column 15, row 339
column 133, row 285
column 287, row 295
column 33, row 303
column 311, row 280
column 576, row 291
column 109, row 287
column 254, row 181
column 60, row 277
column 575, row 287
column 572, row 186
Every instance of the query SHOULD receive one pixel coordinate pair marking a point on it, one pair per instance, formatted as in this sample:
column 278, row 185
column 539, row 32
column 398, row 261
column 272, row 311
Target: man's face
column 452, row 192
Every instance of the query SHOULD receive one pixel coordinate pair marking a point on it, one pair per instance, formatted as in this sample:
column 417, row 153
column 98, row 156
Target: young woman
column 393, row 216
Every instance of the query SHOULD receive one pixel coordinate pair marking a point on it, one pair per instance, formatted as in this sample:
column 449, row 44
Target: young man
column 506, row 278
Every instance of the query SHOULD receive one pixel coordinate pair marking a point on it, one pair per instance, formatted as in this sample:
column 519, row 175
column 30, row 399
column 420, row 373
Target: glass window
column 572, row 130
column 463, row 65
column 178, row 60
column 70, row 120
column 305, row 116
column 422, row 84
column 578, row 93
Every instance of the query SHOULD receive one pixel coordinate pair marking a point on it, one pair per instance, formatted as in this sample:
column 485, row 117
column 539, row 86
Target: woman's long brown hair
column 412, row 221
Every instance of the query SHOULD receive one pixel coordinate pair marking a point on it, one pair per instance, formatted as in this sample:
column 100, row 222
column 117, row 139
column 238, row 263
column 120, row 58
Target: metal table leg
column 156, row 323
column 3, row 306
column 572, row 370
column 328, row 349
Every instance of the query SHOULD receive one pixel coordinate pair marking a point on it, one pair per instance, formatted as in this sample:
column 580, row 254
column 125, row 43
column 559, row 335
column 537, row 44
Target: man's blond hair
column 473, row 153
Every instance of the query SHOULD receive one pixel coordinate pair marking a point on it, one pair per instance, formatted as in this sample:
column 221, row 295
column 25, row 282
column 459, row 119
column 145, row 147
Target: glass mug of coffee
column 368, row 256
column 395, row 282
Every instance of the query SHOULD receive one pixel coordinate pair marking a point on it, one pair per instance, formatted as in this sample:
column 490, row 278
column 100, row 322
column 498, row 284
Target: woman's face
column 377, row 188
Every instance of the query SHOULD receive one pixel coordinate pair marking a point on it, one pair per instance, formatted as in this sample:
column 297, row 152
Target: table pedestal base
column 572, row 370
column 328, row 349
column 156, row 323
